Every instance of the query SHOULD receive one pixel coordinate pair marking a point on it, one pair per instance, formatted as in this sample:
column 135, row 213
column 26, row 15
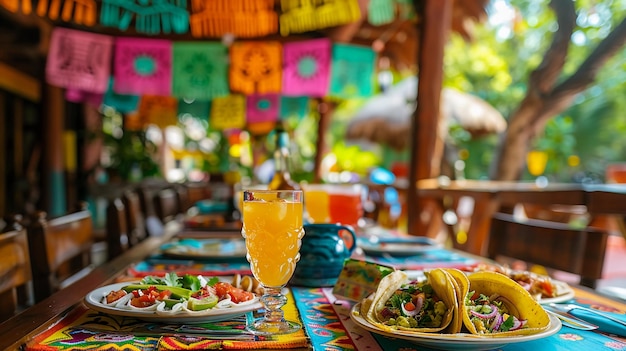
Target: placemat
column 86, row 329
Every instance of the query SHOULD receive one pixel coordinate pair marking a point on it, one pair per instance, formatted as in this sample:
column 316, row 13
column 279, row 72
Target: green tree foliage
column 496, row 66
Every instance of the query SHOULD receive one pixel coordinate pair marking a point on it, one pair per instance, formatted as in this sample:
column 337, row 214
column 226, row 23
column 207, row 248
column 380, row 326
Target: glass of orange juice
column 316, row 203
column 272, row 228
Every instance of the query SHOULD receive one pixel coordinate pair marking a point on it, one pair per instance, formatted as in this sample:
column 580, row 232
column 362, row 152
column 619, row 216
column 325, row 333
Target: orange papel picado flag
column 256, row 67
column 242, row 18
column 158, row 110
column 83, row 12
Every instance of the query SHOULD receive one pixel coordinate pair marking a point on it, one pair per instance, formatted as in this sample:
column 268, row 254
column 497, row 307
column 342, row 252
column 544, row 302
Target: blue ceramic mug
column 325, row 247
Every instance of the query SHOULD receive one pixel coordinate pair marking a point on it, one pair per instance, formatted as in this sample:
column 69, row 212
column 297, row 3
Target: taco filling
column 414, row 305
column 497, row 306
column 489, row 314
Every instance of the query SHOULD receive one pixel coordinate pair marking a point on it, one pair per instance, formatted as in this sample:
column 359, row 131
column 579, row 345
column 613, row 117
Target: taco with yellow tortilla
column 497, row 306
column 427, row 306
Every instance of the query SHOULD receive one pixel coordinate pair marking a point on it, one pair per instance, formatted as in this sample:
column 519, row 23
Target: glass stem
column 273, row 301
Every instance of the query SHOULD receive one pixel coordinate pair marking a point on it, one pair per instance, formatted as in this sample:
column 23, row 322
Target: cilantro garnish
column 507, row 324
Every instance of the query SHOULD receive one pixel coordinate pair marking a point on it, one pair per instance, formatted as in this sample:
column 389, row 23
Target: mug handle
column 349, row 240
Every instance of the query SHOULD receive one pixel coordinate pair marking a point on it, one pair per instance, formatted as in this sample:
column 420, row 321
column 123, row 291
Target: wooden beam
column 18, row 83
column 435, row 17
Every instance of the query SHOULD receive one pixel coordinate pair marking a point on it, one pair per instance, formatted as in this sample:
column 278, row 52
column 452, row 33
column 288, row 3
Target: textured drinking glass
column 317, row 203
column 272, row 228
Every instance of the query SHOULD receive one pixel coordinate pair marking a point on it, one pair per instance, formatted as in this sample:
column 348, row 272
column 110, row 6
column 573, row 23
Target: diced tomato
column 143, row 301
column 547, row 287
column 148, row 297
column 237, row 295
column 409, row 306
column 115, row 295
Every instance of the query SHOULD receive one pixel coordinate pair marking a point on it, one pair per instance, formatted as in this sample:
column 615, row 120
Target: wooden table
column 491, row 196
column 15, row 332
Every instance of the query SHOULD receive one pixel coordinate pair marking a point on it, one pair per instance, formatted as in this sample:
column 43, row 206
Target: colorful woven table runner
column 86, row 329
column 330, row 327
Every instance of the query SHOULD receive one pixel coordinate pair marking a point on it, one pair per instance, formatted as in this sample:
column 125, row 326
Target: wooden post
column 53, row 120
column 426, row 145
column 325, row 110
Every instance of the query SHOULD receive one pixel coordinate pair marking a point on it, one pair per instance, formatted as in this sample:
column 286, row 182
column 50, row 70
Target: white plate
column 568, row 294
column 94, row 301
column 460, row 341
column 206, row 248
column 378, row 246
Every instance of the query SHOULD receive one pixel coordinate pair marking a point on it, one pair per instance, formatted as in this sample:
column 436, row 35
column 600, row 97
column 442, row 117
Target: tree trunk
column 544, row 98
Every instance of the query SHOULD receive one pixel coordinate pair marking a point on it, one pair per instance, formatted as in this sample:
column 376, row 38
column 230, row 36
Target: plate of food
column 543, row 288
column 205, row 248
column 395, row 245
column 452, row 311
column 186, row 299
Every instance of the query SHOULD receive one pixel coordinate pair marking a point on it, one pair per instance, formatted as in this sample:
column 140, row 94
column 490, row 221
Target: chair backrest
column 117, row 236
column 15, row 271
column 60, row 250
column 196, row 191
column 167, row 204
column 135, row 219
column 554, row 245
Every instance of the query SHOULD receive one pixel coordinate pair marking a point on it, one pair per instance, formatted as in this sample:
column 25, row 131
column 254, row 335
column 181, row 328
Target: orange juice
column 316, row 203
column 272, row 229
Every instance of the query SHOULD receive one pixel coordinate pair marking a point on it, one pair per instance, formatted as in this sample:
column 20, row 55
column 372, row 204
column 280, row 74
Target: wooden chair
column 117, row 236
column 15, row 271
column 60, row 251
column 554, row 245
column 167, row 204
column 196, row 191
column 135, row 219
column 146, row 191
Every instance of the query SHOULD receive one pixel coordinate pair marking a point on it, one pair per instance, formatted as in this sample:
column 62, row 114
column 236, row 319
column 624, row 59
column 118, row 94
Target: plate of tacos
column 543, row 288
column 451, row 310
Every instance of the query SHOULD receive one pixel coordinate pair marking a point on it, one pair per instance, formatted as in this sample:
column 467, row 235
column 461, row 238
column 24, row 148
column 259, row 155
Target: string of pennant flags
column 210, row 19
column 245, row 83
column 239, row 84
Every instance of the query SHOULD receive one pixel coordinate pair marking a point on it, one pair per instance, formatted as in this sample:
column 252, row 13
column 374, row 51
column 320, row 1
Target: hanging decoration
column 294, row 107
column 352, row 71
column 14, row 6
column 121, row 103
column 262, row 108
column 381, row 12
column 200, row 70
column 241, row 18
column 303, row 16
column 306, row 69
column 256, row 67
column 80, row 96
column 143, row 66
column 79, row 60
column 134, row 122
column 159, row 110
column 83, row 12
column 196, row 109
column 151, row 17
column 228, row 112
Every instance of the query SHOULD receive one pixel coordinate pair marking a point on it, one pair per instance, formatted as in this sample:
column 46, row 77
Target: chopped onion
column 517, row 324
column 494, row 311
column 497, row 322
